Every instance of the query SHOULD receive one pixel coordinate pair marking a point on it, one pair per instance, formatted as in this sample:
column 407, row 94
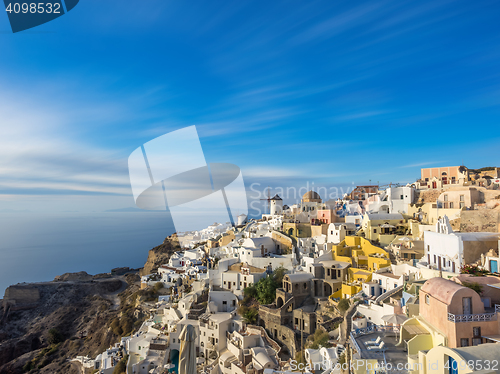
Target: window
column 445, row 197
column 464, row 342
column 462, row 205
column 476, row 333
column 427, row 299
column 451, row 205
column 224, row 302
column 374, row 231
column 467, row 305
column 462, row 197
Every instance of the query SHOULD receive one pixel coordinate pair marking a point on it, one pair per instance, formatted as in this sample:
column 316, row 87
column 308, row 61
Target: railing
column 374, row 328
column 455, row 318
column 355, row 343
column 497, row 308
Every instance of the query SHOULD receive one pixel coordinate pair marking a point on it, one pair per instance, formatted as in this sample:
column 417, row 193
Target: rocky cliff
column 161, row 254
column 42, row 324
column 77, row 314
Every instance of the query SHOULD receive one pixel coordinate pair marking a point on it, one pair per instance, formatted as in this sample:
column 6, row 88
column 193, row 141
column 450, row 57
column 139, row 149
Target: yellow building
column 361, row 254
column 383, row 227
column 364, row 258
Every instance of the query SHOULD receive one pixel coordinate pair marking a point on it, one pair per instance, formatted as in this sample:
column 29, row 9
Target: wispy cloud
column 419, row 164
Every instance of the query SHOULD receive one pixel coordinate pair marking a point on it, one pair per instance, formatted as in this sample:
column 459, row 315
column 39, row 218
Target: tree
column 278, row 275
column 55, row 336
column 320, row 339
column 121, row 367
column 266, row 290
column 250, row 316
column 343, row 305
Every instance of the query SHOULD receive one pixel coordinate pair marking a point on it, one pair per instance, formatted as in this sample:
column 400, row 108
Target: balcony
column 455, row 318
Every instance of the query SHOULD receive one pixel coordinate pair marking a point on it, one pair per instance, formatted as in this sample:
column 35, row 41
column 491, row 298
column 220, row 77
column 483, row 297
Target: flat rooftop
column 393, row 355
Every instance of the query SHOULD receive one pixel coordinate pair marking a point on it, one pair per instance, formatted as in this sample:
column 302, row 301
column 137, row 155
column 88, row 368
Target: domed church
column 311, row 197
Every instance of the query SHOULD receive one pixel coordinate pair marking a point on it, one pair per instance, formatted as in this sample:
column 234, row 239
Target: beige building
column 445, row 360
column 436, row 178
column 459, row 198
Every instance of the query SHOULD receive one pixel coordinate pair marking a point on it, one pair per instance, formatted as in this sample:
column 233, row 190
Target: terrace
column 391, row 355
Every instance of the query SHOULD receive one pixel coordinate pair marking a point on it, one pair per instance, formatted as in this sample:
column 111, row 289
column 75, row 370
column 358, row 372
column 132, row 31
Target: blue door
column 494, row 266
column 453, row 365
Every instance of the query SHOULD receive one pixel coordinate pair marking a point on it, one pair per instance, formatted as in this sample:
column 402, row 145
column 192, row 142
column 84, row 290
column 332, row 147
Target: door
column 452, row 365
column 494, row 266
column 467, row 305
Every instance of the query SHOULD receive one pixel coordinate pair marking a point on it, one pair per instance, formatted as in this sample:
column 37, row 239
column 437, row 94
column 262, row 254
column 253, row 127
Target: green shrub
column 55, row 336
column 343, row 305
column 474, row 286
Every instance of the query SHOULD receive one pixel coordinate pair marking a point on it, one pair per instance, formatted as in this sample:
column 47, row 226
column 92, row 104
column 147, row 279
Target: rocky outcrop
column 80, row 276
column 80, row 311
column 161, row 254
column 21, row 297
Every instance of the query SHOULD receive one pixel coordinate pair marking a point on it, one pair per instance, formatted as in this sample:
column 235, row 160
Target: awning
column 495, row 338
column 415, row 330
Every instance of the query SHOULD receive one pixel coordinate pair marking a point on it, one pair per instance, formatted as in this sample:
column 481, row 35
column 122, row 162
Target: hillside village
column 401, row 276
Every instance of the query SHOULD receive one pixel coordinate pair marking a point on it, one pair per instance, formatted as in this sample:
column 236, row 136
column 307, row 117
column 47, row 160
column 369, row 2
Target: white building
column 240, row 276
column 447, row 250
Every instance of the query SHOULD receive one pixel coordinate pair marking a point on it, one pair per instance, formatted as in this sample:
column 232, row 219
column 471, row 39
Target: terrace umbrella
column 187, row 354
column 395, row 319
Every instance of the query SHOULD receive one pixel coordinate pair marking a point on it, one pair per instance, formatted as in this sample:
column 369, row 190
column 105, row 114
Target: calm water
column 37, row 247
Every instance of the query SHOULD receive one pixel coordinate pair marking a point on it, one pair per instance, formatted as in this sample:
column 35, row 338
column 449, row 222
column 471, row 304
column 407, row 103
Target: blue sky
column 331, row 92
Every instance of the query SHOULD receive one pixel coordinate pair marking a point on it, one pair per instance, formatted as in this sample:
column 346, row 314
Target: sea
column 36, row 247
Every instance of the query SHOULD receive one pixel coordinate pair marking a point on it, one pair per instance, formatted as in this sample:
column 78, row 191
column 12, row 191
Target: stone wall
column 482, row 220
column 286, row 243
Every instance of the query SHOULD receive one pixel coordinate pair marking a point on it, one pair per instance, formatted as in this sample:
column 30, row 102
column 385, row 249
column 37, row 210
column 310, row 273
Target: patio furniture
column 378, row 348
column 374, row 341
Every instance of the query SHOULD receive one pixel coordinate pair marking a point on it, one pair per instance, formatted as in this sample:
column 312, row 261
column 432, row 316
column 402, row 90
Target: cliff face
column 161, row 254
column 42, row 324
column 77, row 314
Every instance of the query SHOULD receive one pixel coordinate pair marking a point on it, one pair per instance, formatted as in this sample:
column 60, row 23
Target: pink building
column 457, row 312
